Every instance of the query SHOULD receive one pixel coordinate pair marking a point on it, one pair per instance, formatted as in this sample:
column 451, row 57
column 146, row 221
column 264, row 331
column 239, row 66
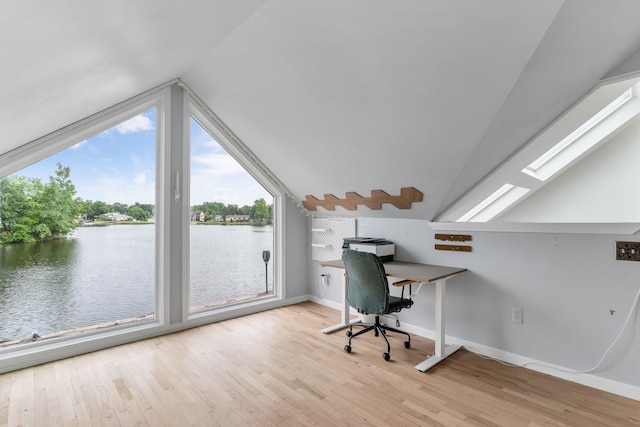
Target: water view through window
column 99, row 271
column 231, row 231
column 78, row 236
column 100, row 276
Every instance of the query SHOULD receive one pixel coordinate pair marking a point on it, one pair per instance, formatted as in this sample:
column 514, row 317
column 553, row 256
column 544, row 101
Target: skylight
column 498, row 201
column 574, row 144
column 610, row 112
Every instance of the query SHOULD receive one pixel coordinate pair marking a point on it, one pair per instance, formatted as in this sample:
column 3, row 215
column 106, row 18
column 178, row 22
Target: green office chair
column 368, row 292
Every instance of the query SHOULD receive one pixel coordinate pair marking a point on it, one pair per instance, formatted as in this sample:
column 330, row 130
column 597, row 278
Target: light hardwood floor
column 277, row 368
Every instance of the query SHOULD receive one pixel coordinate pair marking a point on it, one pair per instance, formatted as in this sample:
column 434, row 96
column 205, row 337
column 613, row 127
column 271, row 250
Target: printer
column 376, row 245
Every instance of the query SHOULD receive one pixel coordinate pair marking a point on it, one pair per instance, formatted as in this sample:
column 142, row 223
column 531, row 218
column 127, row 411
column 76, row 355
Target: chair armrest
column 403, row 283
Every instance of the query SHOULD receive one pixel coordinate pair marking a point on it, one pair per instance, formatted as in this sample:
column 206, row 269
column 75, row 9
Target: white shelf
column 327, row 236
column 320, row 245
column 515, row 227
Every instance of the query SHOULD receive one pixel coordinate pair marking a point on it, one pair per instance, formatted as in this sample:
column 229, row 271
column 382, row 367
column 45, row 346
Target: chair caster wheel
column 386, row 356
column 347, row 348
column 349, row 333
column 407, row 344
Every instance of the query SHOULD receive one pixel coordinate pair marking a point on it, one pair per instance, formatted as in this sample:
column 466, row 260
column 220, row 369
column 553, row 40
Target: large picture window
column 145, row 218
column 231, row 227
column 77, row 238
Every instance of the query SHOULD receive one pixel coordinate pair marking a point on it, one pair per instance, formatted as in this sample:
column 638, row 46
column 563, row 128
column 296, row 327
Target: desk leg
column 441, row 351
column 345, row 312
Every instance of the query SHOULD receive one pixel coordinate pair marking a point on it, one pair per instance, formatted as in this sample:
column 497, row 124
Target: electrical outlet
column 628, row 251
column 325, row 278
column 516, row 314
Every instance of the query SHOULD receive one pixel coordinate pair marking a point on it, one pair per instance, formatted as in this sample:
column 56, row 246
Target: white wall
column 298, row 252
column 566, row 284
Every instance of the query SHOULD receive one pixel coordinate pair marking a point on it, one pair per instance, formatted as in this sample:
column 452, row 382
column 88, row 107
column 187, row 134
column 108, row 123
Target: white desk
column 423, row 273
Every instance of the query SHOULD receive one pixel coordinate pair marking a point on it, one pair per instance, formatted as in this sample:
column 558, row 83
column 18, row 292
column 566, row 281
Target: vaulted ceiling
column 333, row 96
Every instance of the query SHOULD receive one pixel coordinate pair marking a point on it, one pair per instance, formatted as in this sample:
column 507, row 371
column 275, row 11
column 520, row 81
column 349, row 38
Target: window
column 571, row 172
column 78, row 236
column 577, row 142
column 231, row 229
column 109, row 284
column 499, row 200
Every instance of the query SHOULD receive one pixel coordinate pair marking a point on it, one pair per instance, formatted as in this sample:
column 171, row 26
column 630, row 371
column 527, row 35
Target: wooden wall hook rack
column 456, row 248
column 454, row 237
column 407, row 196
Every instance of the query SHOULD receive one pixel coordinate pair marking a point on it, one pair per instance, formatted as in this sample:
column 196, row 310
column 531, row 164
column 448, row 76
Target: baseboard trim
column 589, row 380
column 325, row 302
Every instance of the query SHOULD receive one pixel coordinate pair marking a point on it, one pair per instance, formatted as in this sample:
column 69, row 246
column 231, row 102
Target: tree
column 31, row 211
column 59, row 209
column 261, row 210
column 137, row 213
column 120, row 207
column 215, row 208
column 18, row 208
column 92, row 210
column 232, row 210
column 148, row 208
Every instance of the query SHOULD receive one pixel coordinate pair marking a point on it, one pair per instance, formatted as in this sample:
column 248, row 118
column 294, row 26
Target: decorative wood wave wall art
column 408, row 195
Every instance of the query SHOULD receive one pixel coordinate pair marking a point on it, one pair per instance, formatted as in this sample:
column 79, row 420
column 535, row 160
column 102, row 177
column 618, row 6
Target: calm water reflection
column 103, row 274
column 226, row 262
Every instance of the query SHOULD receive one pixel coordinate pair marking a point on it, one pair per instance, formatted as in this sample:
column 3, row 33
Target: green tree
column 231, row 210
column 85, row 205
column 59, row 210
column 215, row 208
column 98, row 208
column 137, row 213
column 261, row 211
column 147, row 208
column 120, row 207
column 31, row 211
column 18, row 208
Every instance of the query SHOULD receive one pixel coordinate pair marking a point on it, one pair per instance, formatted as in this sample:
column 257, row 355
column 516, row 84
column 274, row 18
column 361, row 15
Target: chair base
column 379, row 330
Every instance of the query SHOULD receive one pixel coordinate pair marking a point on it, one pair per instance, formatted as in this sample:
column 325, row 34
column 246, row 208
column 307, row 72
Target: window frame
column 42, row 351
column 175, row 104
column 197, row 110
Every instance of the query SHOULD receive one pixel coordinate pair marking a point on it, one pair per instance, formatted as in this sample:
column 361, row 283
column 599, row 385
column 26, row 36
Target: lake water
column 105, row 274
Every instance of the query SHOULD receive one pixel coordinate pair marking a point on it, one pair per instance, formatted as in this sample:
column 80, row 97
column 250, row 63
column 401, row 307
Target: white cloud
column 140, row 178
column 119, row 188
column 217, row 165
column 218, row 177
column 135, row 124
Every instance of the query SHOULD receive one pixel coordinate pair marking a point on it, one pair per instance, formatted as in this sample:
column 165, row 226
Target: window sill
column 626, row 228
column 38, row 352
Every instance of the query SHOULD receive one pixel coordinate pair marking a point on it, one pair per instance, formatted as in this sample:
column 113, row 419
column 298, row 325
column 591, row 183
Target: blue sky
column 118, row 165
column 218, row 177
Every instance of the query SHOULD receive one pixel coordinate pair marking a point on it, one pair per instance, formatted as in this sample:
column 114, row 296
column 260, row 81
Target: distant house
column 238, row 218
column 116, row 216
column 197, row 216
column 218, row 218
